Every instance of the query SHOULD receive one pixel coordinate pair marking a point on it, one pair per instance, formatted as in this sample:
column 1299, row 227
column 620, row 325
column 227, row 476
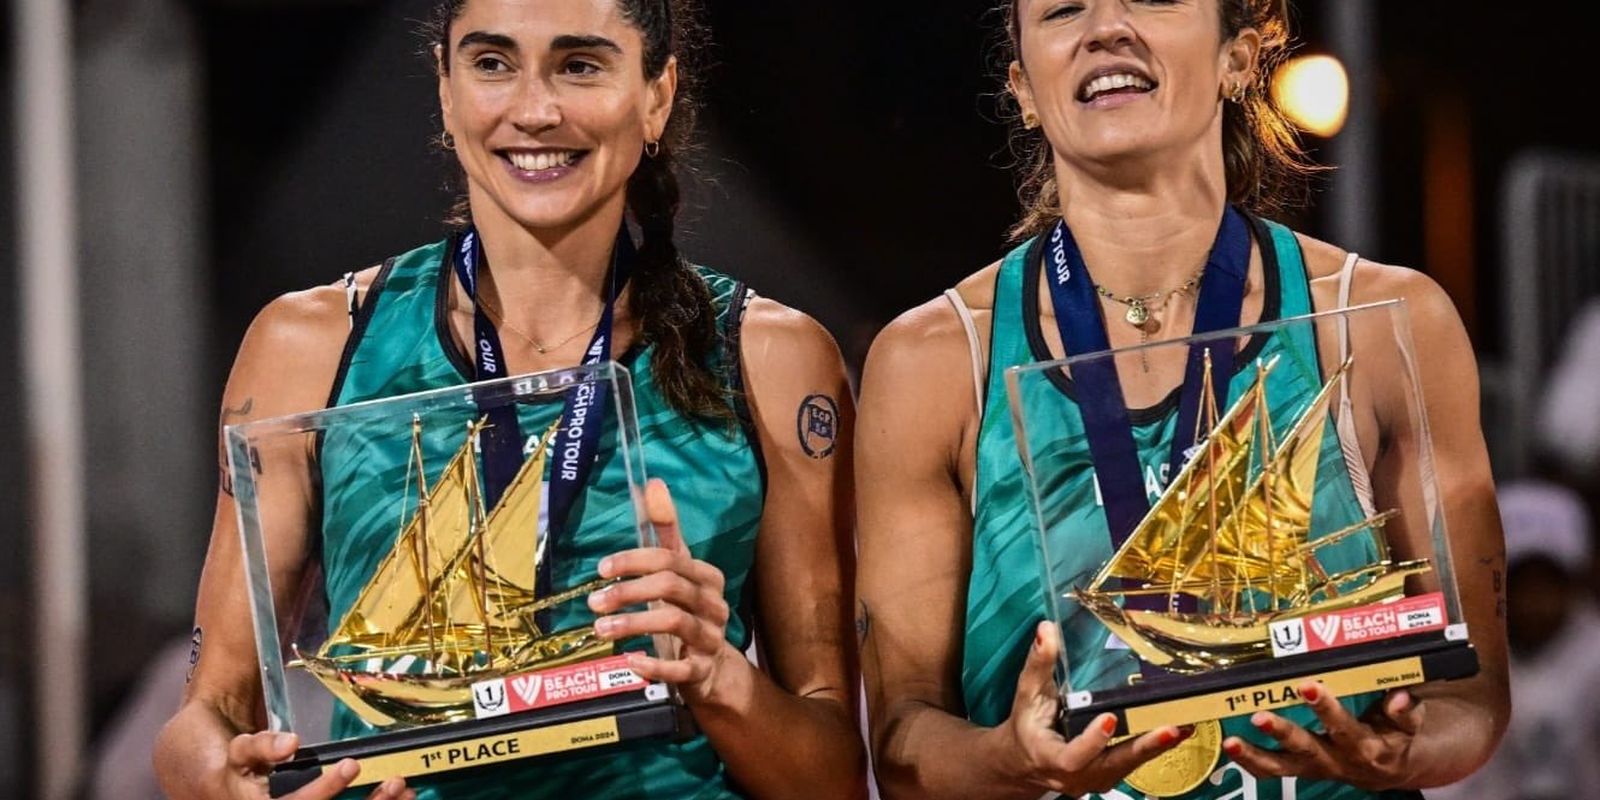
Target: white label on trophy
column 1288, row 638
column 489, row 699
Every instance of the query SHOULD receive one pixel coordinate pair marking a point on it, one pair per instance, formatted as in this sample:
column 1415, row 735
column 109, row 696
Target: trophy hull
column 384, row 699
column 589, row 725
column 1192, row 643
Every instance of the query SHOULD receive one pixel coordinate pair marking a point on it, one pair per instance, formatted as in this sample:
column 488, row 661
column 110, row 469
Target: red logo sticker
column 1359, row 625
column 554, row 687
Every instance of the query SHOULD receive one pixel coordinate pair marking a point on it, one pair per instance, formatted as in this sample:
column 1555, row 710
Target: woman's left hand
column 685, row 600
column 1372, row 753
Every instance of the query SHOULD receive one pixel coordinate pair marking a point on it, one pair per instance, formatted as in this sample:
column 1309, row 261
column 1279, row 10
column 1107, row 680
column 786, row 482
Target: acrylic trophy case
column 1301, row 537
column 433, row 621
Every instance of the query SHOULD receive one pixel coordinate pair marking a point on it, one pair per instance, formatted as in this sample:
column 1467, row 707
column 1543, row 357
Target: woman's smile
column 543, row 164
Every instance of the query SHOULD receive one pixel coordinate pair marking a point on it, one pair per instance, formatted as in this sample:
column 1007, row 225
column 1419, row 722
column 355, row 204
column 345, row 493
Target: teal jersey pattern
column 399, row 344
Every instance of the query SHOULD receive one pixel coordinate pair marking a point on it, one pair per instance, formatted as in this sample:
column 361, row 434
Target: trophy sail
column 453, row 602
column 1233, row 533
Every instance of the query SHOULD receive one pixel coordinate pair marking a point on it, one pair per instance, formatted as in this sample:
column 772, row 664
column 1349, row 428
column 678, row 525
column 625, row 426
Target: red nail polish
column 1311, row 694
column 1166, row 738
column 1233, row 748
column 1109, row 725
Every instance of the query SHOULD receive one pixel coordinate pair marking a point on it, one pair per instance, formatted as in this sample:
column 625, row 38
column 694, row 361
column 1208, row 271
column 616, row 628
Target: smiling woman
column 565, row 117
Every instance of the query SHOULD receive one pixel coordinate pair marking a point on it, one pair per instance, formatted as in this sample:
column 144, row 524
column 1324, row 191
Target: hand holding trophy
column 1088, row 762
column 686, row 599
column 1370, row 752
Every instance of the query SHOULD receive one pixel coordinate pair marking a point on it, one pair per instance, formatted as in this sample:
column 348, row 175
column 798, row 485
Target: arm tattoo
column 194, row 654
column 224, row 478
column 1498, row 580
column 863, row 621
column 818, row 425
column 242, row 410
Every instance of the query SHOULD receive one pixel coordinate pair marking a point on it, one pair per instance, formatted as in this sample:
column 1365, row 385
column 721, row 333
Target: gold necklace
column 499, row 320
column 1139, row 307
column 1140, row 310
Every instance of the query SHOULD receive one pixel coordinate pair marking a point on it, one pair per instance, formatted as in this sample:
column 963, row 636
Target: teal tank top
column 400, row 343
column 1005, row 598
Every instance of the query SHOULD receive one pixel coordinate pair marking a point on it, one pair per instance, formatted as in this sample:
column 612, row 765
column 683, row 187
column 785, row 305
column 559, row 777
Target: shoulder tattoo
column 817, row 425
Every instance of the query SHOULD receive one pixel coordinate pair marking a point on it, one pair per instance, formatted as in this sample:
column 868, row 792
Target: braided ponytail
column 674, row 305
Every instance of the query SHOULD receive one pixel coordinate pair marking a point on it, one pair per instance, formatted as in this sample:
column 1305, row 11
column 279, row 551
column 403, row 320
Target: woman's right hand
column 1087, row 763
column 251, row 757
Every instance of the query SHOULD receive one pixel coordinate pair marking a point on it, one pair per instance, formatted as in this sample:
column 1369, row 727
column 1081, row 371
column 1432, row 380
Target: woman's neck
column 548, row 282
column 1147, row 235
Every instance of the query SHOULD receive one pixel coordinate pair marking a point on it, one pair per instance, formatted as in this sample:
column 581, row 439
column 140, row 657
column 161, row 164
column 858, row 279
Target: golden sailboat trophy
column 442, row 630
column 1300, row 537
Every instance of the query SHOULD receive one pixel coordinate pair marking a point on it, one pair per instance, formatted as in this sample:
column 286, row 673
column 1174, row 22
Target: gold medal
column 1183, row 767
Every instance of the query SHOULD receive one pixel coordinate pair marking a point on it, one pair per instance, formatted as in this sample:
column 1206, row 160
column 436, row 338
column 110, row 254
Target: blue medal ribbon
column 577, row 441
column 1107, row 426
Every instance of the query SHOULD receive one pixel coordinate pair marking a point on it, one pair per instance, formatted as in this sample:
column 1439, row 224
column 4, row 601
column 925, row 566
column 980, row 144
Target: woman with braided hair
column 1151, row 151
column 566, row 118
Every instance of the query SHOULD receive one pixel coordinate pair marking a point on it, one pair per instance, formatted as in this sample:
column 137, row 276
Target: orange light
column 1314, row 93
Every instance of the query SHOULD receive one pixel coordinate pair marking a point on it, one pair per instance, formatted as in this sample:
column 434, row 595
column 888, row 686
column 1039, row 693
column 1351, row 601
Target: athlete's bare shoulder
column 919, row 372
column 287, row 361
column 977, row 289
column 931, row 338
column 1374, row 282
column 772, row 330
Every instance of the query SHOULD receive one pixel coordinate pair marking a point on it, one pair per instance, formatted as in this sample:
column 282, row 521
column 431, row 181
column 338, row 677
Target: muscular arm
column 791, row 731
column 1463, row 720
column 915, row 550
column 285, row 365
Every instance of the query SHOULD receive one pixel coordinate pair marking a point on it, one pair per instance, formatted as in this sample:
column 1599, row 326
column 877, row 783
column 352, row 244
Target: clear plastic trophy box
column 1295, row 533
column 415, row 614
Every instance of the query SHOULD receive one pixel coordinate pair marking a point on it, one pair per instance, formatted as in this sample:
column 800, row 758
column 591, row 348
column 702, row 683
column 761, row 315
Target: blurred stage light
column 1314, row 93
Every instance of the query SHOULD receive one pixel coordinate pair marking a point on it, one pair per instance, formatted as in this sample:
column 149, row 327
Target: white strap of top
column 1349, row 442
column 1345, row 276
column 980, row 365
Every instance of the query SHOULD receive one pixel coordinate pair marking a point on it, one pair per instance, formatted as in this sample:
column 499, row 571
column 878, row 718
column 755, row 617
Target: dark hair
column 1267, row 169
column 673, row 303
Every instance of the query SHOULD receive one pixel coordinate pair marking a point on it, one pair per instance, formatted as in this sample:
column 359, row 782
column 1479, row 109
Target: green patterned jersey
column 400, row 343
column 1005, row 598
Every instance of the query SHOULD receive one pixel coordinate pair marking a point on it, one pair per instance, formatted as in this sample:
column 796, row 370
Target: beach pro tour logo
column 1360, row 625
column 554, row 687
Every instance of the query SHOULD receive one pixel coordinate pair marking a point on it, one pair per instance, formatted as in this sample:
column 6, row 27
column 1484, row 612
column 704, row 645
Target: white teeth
column 542, row 160
column 1114, row 81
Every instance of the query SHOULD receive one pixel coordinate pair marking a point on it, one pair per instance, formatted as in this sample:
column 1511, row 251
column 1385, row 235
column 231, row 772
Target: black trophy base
column 1268, row 685
column 588, row 725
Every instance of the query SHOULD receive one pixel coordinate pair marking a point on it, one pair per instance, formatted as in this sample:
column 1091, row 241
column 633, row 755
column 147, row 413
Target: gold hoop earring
column 1237, row 96
column 652, row 149
column 1030, row 121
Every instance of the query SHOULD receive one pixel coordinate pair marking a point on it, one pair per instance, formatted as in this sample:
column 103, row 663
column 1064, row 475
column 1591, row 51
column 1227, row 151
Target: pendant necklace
column 1141, row 309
